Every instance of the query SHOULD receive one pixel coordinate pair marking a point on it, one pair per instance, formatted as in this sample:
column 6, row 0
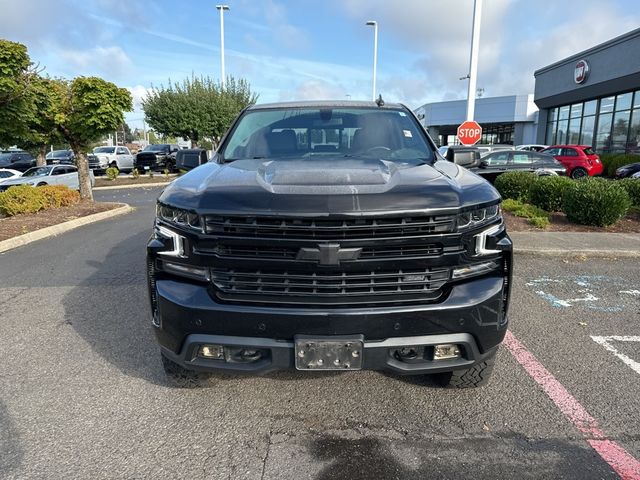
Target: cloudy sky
column 312, row 49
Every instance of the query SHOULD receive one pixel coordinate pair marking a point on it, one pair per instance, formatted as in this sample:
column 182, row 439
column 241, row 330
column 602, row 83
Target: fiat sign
column 469, row 133
column 581, row 72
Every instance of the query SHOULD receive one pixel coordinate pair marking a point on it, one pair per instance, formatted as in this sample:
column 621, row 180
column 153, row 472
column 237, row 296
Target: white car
column 531, row 148
column 118, row 157
column 48, row 175
column 8, row 173
column 636, row 175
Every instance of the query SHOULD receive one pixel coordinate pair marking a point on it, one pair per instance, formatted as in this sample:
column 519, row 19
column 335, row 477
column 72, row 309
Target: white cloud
column 111, row 61
column 139, row 93
column 314, row 90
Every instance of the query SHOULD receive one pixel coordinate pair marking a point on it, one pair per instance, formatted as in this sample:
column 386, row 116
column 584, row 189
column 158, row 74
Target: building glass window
column 606, row 104
column 633, row 144
column 623, row 102
column 636, row 99
column 564, row 113
column 590, row 107
column 551, row 133
column 563, row 128
column 620, row 131
column 553, row 115
column 573, row 135
column 603, row 136
column 576, row 110
column 586, row 133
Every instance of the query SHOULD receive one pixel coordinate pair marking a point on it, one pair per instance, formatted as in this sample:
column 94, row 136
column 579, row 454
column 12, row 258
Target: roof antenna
column 379, row 101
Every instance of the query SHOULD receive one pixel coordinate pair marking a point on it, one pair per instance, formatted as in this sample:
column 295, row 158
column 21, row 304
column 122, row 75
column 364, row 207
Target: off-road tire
column 476, row 376
column 42, row 184
column 180, row 377
column 114, row 165
column 579, row 172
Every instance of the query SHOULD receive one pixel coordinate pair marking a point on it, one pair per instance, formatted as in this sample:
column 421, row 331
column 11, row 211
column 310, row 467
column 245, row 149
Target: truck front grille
column 328, row 229
column 339, row 287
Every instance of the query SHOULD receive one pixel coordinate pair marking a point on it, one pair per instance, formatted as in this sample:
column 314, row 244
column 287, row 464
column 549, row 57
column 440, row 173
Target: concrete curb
column 137, row 185
column 550, row 252
column 54, row 230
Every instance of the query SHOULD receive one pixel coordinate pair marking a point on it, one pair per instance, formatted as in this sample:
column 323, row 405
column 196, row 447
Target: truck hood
column 326, row 186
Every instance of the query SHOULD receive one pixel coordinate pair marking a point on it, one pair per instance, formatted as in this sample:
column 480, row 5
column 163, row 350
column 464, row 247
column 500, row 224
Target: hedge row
column 589, row 201
column 28, row 199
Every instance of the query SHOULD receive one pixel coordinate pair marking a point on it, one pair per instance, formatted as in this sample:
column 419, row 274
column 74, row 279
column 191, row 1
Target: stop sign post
column 469, row 133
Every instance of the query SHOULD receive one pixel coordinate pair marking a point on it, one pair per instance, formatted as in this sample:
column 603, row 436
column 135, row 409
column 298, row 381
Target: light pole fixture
column 374, row 24
column 221, row 9
column 473, row 59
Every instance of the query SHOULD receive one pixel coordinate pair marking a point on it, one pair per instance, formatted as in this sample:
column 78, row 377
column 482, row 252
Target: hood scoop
column 347, row 174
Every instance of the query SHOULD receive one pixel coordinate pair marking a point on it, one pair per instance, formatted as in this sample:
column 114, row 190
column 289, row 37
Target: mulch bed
column 29, row 222
column 559, row 223
column 159, row 178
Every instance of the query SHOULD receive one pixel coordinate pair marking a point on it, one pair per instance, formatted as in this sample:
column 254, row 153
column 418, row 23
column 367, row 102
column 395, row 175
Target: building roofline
column 597, row 48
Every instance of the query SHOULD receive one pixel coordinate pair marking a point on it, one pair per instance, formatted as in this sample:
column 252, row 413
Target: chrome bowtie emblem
column 328, row 254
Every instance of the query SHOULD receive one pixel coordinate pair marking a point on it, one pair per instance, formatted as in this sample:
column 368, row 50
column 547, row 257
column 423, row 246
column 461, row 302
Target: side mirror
column 468, row 158
column 483, row 164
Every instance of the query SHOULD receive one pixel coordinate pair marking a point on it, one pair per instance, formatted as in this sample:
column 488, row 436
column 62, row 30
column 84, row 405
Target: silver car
column 48, row 175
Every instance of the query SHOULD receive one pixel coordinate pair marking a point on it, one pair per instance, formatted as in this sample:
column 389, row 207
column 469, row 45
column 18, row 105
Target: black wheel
column 41, row 184
column 114, row 165
column 578, row 173
column 476, row 376
column 180, row 377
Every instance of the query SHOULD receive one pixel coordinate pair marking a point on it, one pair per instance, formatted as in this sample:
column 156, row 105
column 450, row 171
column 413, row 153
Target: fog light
column 196, row 273
column 215, row 352
column 446, row 351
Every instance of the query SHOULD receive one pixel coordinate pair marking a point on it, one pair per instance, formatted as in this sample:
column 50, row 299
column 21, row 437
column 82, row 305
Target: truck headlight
column 178, row 216
column 478, row 217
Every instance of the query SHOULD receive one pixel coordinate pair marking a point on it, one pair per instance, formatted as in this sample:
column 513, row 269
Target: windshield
column 37, row 172
column 156, row 148
column 58, row 154
column 104, row 150
column 5, row 156
column 280, row 133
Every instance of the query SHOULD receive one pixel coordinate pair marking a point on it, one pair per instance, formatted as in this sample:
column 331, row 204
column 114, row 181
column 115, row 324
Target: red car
column 580, row 160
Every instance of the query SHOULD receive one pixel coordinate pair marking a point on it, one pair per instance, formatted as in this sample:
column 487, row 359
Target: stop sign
column 469, row 133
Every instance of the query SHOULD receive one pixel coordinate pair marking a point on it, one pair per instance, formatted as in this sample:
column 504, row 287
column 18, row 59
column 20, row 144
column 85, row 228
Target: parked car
column 157, row 157
column 628, row 170
column 16, row 160
column 64, row 157
column 114, row 157
column 8, row 173
column 462, row 155
column 531, row 148
column 376, row 254
column 580, row 160
column 48, row 175
column 636, row 175
column 497, row 163
column 487, row 149
column 191, row 158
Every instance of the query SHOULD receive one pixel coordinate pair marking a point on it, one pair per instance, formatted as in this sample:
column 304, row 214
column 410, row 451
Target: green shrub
column 515, row 185
column 112, row 173
column 612, row 161
column 536, row 216
column 547, row 192
column 22, row 199
column 135, row 173
column 632, row 186
column 593, row 202
column 60, row 196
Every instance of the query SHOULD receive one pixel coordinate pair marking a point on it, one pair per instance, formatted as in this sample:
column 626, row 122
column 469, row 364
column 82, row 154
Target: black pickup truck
column 161, row 156
column 329, row 236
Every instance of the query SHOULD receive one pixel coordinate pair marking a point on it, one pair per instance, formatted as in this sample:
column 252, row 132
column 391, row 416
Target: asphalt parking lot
column 83, row 395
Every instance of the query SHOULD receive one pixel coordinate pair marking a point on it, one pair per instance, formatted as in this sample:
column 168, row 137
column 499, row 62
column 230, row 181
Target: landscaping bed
column 29, row 222
column 128, row 180
column 558, row 223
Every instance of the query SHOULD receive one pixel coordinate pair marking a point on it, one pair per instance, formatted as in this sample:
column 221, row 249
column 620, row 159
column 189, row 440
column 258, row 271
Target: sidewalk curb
column 55, row 230
column 577, row 253
column 137, row 185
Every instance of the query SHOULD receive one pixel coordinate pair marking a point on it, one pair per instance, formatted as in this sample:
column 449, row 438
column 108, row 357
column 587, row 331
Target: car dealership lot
column 82, row 392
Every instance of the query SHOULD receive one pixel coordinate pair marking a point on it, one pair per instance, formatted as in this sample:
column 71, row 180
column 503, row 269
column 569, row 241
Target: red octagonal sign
column 469, row 133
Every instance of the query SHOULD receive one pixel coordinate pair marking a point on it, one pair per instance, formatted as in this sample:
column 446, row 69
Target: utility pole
column 221, row 9
column 473, row 61
column 374, row 24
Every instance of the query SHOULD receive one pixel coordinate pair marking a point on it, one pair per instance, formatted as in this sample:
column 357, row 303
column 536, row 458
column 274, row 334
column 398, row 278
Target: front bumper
column 473, row 315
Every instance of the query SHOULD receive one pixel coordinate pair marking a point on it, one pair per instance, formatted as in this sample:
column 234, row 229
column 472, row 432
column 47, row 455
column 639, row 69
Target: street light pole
column 222, row 8
column 374, row 24
column 473, row 61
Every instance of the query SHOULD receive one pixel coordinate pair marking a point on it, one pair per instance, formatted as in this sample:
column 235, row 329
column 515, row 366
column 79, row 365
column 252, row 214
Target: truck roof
column 326, row 104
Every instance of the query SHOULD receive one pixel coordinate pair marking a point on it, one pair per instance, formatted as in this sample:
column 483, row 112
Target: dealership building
column 591, row 98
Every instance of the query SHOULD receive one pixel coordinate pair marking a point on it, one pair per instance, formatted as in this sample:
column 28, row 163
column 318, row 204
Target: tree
column 17, row 106
column 91, row 107
column 197, row 108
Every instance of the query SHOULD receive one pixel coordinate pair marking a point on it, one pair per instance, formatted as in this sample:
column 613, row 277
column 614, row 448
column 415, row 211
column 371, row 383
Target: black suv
column 157, row 157
column 16, row 160
column 329, row 236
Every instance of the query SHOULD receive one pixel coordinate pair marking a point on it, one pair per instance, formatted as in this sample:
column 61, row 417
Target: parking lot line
column 606, row 342
column 617, row 457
